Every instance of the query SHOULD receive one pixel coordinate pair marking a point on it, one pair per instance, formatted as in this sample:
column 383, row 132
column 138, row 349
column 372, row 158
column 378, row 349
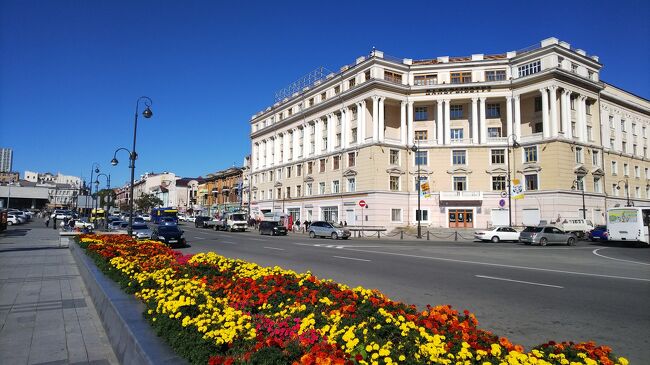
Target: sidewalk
column 46, row 315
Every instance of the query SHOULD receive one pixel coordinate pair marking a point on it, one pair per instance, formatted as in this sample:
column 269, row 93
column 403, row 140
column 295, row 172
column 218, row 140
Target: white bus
column 628, row 224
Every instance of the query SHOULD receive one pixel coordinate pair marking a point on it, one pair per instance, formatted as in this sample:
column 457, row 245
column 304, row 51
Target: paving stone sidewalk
column 46, row 315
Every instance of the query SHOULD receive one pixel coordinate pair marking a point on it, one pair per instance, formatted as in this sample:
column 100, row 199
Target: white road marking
column 595, row 252
column 274, row 248
column 199, row 238
column 519, row 281
column 258, row 239
column 230, row 242
column 351, row 258
column 499, row 265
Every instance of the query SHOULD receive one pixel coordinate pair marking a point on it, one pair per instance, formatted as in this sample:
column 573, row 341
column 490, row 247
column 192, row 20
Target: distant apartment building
column 221, row 191
column 48, row 177
column 457, row 127
column 6, row 159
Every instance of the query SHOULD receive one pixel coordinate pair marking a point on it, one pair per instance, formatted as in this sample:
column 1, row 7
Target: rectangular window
column 530, row 154
column 352, row 184
column 530, row 68
column 298, row 170
column 322, row 165
column 595, row 157
column 460, row 183
column 394, row 157
column 421, row 113
column 321, row 188
column 495, row 75
column 421, row 158
column 461, row 77
column 367, row 75
column 298, row 191
column 337, row 89
column 531, row 182
column 456, row 134
column 336, row 187
column 498, row 157
column 634, row 129
column 423, row 80
column 323, row 96
column 270, row 176
column 493, row 110
column 615, row 189
column 611, row 121
column 590, row 133
column 308, row 189
column 614, row 168
column 395, row 215
column 622, row 125
column 455, row 111
column 352, row 159
column 538, row 104
column 338, row 140
column 353, row 138
column 278, row 193
column 637, row 192
column 498, row 183
column 421, row 135
column 579, row 155
column 336, row 162
column 626, row 169
column 310, row 167
column 494, row 132
column 574, row 68
column 288, row 192
column 458, row 157
column 288, row 171
column 393, row 77
column 351, row 83
column 394, row 183
column 311, row 101
column 597, row 185
column 417, row 184
column 422, row 215
column 637, row 172
column 623, row 146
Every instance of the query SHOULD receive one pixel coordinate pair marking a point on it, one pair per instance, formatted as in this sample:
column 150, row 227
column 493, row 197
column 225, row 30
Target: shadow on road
column 621, row 244
column 15, row 232
column 37, row 248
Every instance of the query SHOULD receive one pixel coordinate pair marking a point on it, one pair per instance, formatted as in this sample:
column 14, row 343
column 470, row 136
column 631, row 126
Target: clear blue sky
column 71, row 71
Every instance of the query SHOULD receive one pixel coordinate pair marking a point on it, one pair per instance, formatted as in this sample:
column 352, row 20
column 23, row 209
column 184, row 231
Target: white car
column 82, row 223
column 496, row 234
column 146, row 217
column 182, row 217
column 12, row 219
column 191, row 219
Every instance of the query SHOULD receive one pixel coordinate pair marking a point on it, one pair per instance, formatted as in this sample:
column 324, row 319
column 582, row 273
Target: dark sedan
column 169, row 235
column 273, row 228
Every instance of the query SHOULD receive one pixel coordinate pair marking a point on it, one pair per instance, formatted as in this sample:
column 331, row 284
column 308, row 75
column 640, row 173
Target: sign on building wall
column 517, row 189
column 425, row 191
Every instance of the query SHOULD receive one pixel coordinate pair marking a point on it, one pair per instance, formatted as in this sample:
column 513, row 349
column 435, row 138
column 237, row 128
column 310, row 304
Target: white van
column 628, row 224
column 578, row 226
column 235, row 222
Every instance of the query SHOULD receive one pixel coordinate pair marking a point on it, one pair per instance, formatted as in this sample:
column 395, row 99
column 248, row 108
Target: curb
column 132, row 338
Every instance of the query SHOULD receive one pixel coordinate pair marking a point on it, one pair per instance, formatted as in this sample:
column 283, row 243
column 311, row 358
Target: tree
column 147, row 201
column 107, row 196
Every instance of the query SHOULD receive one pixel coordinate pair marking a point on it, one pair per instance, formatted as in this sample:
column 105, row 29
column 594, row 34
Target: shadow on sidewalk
column 36, row 248
column 15, row 232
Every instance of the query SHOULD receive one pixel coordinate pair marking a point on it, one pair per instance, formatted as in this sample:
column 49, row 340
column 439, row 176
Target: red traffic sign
column 362, row 203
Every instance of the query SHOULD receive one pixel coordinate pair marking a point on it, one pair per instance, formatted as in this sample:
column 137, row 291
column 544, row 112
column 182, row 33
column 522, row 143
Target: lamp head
column 414, row 148
column 618, row 187
column 96, row 170
column 114, row 161
column 147, row 113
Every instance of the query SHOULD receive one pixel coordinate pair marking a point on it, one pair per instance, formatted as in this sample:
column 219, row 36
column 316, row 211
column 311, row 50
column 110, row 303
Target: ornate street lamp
column 147, row 113
column 627, row 190
column 415, row 148
column 580, row 184
column 514, row 145
column 93, row 169
column 108, row 187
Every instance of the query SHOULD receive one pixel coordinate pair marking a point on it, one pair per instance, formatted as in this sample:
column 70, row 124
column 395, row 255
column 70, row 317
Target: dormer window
column 530, row 68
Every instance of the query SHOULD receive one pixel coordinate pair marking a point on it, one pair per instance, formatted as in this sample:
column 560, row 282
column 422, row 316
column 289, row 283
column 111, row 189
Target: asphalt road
column 529, row 294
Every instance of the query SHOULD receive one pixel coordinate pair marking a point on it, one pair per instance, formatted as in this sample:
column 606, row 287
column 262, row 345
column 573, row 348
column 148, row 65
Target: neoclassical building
column 460, row 125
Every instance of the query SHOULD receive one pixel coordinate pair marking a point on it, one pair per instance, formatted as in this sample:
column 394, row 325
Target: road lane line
column 519, row 281
column 351, row 258
column 499, row 265
column 258, row 239
column 199, row 238
column 595, row 252
column 230, row 242
column 274, row 248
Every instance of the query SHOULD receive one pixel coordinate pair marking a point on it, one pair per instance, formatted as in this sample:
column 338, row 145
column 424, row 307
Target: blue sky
column 71, row 71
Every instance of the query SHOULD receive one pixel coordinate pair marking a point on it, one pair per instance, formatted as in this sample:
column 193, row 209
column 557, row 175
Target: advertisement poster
column 622, row 216
column 424, row 191
column 517, row 189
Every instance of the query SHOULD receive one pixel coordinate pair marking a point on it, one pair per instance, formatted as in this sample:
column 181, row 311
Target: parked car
column 545, row 235
column 167, row 221
column 138, row 220
column 118, row 225
column 141, row 231
column 599, row 233
column 182, row 217
column 327, row 229
column 20, row 215
column 191, row 219
column 13, row 219
column 169, row 235
column 496, row 234
column 272, row 228
column 146, row 217
column 83, row 223
column 61, row 214
column 198, row 221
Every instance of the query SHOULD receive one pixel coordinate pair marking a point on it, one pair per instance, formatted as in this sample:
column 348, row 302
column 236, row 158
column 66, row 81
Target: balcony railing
column 497, row 139
column 461, row 195
column 531, row 137
column 393, row 79
column 460, row 141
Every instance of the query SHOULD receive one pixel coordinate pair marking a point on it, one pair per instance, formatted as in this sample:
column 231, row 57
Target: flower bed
column 216, row 310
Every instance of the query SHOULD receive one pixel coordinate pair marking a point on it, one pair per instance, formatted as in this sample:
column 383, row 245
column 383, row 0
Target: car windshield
column 168, row 229
column 533, row 229
column 336, row 225
column 140, row 227
column 238, row 217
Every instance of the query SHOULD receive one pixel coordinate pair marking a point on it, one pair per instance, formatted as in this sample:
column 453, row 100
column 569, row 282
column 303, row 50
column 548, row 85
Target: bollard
column 427, row 235
column 456, row 236
column 401, row 235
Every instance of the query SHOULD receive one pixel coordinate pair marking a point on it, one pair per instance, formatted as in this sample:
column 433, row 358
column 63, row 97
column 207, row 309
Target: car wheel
column 543, row 242
column 495, row 239
column 571, row 241
column 10, row 223
column 312, row 234
column 335, row 236
column 216, row 228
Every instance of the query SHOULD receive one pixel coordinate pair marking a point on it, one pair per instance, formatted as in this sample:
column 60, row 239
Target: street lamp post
column 93, row 169
column 108, row 187
column 515, row 144
column 147, row 113
column 418, row 214
column 580, row 184
column 627, row 190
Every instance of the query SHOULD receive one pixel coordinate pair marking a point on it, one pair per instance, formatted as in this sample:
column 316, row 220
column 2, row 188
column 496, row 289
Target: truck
column 578, row 226
column 629, row 224
column 234, row 222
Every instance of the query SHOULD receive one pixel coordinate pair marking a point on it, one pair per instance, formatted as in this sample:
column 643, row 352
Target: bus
column 97, row 214
column 628, row 224
column 157, row 213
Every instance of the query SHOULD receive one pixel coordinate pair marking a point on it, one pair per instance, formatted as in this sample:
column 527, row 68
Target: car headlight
column 181, row 237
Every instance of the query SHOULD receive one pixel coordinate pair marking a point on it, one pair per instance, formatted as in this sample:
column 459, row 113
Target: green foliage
column 147, row 201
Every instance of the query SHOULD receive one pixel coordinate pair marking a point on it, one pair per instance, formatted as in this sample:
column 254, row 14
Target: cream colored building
column 349, row 137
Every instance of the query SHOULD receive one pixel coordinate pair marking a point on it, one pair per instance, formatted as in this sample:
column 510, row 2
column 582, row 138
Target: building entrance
column 461, row 218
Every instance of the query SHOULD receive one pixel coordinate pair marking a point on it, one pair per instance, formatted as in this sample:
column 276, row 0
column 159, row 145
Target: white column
column 318, row 136
column 475, row 132
column 554, row 124
column 345, row 127
column 265, row 154
column 409, row 121
column 545, row 124
column 447, row 139
column 296, row 143
column 276, row 150
column 564, row 114
column 375, row 118
column 402, row 123
column 305, row 140
column 330, row 132
column 286, row 146
column 583, row 115
column 517, row 117
column 604, row 128
column 382, row 132
column 509, row 129
column 253, row 156
column 439, row 124
column 361, row 121
column 483, row 121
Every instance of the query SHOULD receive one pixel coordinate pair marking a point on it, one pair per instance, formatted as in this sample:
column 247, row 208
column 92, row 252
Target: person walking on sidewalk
column 47, row 220
column 54, row 223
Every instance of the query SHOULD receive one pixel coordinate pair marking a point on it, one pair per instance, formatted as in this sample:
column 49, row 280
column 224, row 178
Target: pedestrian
column 71, row 224
column 345, row 223
column 54, row 223
column 47, row 221
column 297, row 226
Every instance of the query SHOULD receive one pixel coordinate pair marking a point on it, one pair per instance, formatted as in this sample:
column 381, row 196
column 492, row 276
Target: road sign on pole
column 362, row 203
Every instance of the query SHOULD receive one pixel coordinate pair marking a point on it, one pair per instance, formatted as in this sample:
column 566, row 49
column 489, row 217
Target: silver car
column 327, row 229
column 141, row 231
column 545, row 235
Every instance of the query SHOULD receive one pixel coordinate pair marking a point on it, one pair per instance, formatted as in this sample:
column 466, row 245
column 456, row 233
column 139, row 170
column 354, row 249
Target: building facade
column 460, row 126
column 221, row 191
column 6, row 159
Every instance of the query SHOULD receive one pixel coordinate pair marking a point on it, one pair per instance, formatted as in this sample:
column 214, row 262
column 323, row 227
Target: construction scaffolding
column 297, row 86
